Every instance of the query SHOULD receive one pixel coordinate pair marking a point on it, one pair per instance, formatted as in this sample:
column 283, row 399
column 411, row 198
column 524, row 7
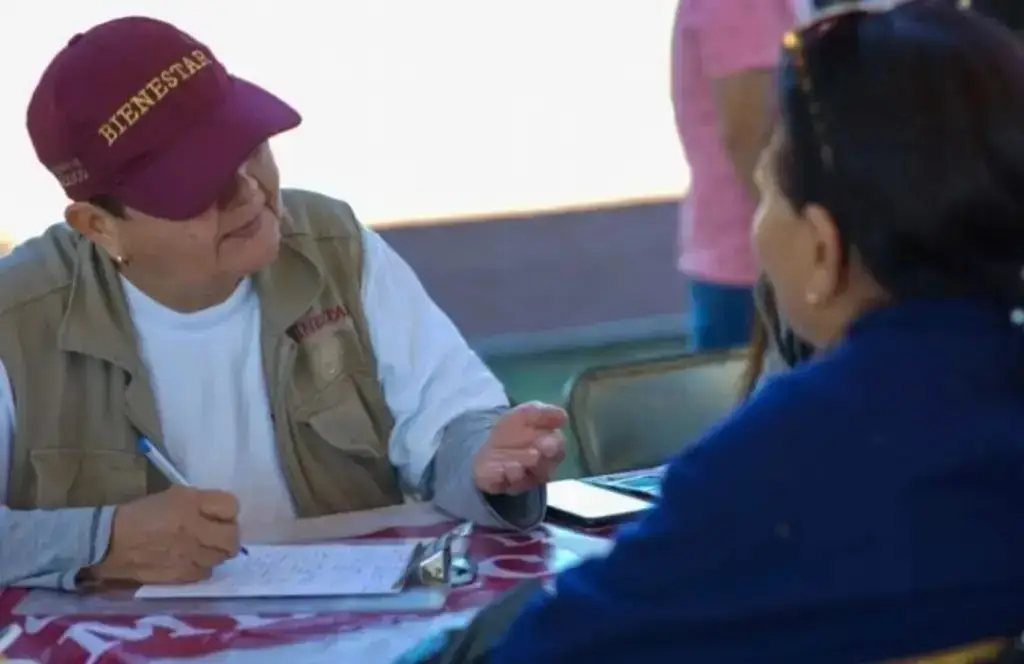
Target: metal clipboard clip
column 443, row 561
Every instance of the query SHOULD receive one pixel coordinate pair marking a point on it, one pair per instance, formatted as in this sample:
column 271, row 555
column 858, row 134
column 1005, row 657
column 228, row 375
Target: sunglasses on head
column 825, row 20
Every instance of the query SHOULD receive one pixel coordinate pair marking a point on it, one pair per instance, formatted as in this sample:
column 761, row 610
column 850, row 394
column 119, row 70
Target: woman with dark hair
column 774, row 346
column 867, row 505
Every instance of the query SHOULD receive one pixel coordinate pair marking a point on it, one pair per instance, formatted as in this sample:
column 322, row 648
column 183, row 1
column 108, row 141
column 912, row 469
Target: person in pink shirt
column 724, row 54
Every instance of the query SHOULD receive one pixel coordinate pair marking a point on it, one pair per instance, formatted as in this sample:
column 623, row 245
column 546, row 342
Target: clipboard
column 434, row 567
column 441, row 562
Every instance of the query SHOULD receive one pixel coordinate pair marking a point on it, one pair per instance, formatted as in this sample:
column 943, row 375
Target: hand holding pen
column 169, row 471
column 177, row 536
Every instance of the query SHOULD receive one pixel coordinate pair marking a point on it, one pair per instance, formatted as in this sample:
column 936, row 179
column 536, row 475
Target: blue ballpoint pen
column 164, row 465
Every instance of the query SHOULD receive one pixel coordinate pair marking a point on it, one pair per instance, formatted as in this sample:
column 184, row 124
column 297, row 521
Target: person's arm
column 444, row 399
column 739, row 44
column 44, row 548
column 715, row 552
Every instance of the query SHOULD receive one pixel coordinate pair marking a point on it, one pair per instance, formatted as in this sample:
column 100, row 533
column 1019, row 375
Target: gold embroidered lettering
column 191, row 65
column 157, row 88
column 143, row 101
column 70, row 173
column 109, row 132
column 132, row 110
column 128, row 114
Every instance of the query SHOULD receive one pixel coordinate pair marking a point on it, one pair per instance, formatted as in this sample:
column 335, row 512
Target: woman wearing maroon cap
column 194, row 324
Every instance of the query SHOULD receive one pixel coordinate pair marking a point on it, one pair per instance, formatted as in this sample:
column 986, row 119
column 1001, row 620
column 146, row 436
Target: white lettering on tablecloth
column 518, row 541
column 96, row 638
column 492, row 567
column 35, row 625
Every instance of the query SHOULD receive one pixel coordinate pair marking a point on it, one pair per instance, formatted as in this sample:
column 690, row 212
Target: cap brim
column 191, row 173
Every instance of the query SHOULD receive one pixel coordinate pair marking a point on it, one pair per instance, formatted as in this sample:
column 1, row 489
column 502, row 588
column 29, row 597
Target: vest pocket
column 86, row 478
column 338, row 416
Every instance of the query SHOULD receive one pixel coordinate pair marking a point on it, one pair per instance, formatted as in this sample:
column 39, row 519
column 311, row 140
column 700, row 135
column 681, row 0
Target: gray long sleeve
column 451, row 478
column 46, row 549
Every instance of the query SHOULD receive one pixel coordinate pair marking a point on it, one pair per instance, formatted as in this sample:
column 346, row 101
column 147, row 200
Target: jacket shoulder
column 39, row 267
column 317, row 215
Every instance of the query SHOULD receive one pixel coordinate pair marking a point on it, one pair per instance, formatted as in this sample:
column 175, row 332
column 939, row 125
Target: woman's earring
column 120, row 261
column 812, row 298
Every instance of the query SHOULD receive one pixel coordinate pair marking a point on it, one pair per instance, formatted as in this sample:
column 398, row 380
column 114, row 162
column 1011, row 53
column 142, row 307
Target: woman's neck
column 184, row 298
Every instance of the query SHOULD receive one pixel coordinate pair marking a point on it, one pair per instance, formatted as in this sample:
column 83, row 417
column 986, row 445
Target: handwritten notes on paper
column 316, row 570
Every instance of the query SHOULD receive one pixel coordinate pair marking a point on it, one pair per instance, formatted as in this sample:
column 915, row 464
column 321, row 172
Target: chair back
column 640, row 414
column 992, row 651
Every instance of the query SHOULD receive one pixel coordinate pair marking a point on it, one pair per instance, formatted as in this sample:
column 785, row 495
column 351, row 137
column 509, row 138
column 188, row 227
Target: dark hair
column 110, row 205
column 760, row 345
column 922, row 111
column 1008, row 12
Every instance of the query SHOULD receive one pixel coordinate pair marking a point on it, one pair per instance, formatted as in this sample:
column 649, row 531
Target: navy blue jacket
column 866, row 505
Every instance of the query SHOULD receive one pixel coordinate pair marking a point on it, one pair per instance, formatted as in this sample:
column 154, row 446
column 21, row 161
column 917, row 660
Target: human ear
column 98, row 226
column 826, row 273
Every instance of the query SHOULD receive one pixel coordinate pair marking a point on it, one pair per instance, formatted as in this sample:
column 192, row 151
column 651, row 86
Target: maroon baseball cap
column 137, row 109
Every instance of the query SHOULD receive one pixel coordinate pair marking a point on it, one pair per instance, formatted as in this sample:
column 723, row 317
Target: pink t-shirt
column 713, row 39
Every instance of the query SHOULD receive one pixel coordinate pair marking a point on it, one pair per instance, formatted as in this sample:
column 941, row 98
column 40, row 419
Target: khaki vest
column 83, row 396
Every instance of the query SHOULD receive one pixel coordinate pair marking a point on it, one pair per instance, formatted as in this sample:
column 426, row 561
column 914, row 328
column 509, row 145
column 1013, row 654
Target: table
column 503, row 559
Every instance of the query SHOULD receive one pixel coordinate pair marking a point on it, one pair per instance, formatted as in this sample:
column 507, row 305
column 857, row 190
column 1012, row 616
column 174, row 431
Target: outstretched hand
column 523, row 451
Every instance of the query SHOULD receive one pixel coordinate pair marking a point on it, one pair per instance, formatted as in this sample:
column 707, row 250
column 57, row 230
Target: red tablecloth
column 503, row 559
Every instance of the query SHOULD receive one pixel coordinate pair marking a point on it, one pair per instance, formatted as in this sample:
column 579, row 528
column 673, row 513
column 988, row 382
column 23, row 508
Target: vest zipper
column 287, row 352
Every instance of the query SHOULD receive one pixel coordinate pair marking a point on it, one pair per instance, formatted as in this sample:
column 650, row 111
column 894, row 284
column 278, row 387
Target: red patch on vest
column 316, row 321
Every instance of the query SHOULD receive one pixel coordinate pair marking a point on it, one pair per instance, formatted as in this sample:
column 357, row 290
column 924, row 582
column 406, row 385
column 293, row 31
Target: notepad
column 299, row 571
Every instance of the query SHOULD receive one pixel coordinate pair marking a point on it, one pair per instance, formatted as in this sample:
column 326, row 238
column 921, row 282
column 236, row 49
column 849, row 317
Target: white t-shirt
column 206, row 370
